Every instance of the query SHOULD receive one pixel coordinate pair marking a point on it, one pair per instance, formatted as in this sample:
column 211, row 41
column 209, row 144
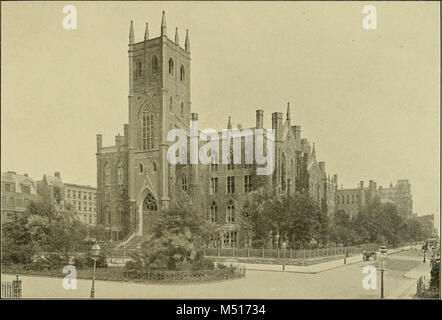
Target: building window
column 7, row 187
column 182, row 73
column 230, row 165
column 247, row 184
column 149, row 203
column 154, row 165
column 139, row 69
column 230, row 185
column 230, row 239
column 352, row 198
column 140, row 167
column 184, row 184
column 120, row 176
column 171, row 66
column 214, row 167
column 154, row 64
column 108, row 216
column 171, row 104
column 348, row 199
column 213, row 185
column 26, row 189
column 213, row 212
column 230, row 214
column 107, row 176
column 148, row 123
column 182, row 109
column 107, row 194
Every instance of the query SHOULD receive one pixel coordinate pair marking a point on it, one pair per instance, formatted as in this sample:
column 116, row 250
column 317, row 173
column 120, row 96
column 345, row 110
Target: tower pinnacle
column 163, row 25
column 314, row 151
column 288, row 112
column 187, row 43
column 146, row 32
column 131, row 33
column 229, row 124
column 177, row 40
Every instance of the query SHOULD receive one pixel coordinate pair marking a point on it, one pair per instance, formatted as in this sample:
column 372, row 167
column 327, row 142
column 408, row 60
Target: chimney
column 126, row 133
column 194, row 116
column 119, row 140
column 277, row 125
column 259, row 119
column 99, row 142
column 57, row 174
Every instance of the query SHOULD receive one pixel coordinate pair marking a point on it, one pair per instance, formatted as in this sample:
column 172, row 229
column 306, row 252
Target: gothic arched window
column 108, row 216
column 139, row 69
column 230, row 214
column 171, row 66
column 182, row 73
column 120, row 174
column 213, row 212
column 154, row 64
column 154, row 164
column 149, row 203
column 148, row 123
column 182, row 109
column 107, row 174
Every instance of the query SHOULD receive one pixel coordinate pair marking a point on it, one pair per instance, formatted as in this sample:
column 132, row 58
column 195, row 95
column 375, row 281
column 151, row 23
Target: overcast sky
column 369, row 99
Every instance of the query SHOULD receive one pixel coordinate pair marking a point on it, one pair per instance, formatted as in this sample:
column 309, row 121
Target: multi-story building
column 17, row 193
column 353, row 200
column 135, row 180
column 82, row 198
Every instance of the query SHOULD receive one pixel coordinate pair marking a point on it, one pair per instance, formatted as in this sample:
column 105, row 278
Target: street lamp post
column 284, row 246
column 95, row 255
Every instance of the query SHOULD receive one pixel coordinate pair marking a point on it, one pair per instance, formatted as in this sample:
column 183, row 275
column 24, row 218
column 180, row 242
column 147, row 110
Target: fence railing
column 122, row 274
column 11, row 289
column 279, row 253
column 186, row 275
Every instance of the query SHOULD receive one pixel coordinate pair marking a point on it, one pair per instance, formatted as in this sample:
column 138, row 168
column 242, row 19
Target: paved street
column 339, row 283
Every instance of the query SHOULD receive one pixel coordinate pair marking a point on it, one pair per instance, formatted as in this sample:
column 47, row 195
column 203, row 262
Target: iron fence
column 186, row 275
column 11, row 289
column 279, row 253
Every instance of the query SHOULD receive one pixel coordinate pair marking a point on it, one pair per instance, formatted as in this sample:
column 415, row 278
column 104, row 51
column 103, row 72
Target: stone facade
column 135, row 179
column 354, row 200
column 17, row 192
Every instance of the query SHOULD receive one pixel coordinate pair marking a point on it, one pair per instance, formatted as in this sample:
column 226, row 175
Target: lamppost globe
column 95, row 250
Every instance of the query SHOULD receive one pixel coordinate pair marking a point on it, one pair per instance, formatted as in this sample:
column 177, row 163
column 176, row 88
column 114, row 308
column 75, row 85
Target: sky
column 369, row 99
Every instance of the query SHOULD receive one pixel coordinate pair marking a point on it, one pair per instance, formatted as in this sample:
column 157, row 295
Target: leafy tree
column 177, row 240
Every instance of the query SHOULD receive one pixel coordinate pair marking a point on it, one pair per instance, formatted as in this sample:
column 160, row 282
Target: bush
column 204, row 264
column 134, row 265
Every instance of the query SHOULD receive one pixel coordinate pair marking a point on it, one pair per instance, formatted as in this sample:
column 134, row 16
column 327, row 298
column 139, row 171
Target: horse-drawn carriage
column 366, row 255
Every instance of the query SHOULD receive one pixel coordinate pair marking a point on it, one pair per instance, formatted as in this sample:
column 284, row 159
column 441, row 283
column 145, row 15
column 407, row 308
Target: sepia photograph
column 206, row 150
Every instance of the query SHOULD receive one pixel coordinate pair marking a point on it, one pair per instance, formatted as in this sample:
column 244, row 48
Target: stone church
column 135, row 180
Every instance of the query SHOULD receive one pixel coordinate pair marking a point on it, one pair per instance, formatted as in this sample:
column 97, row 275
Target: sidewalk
column 314, row 268
column 408, row 289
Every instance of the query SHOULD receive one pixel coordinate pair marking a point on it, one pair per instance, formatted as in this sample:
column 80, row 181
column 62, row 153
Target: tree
column 177, row 240
column 341, row 228
column 43, row 227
